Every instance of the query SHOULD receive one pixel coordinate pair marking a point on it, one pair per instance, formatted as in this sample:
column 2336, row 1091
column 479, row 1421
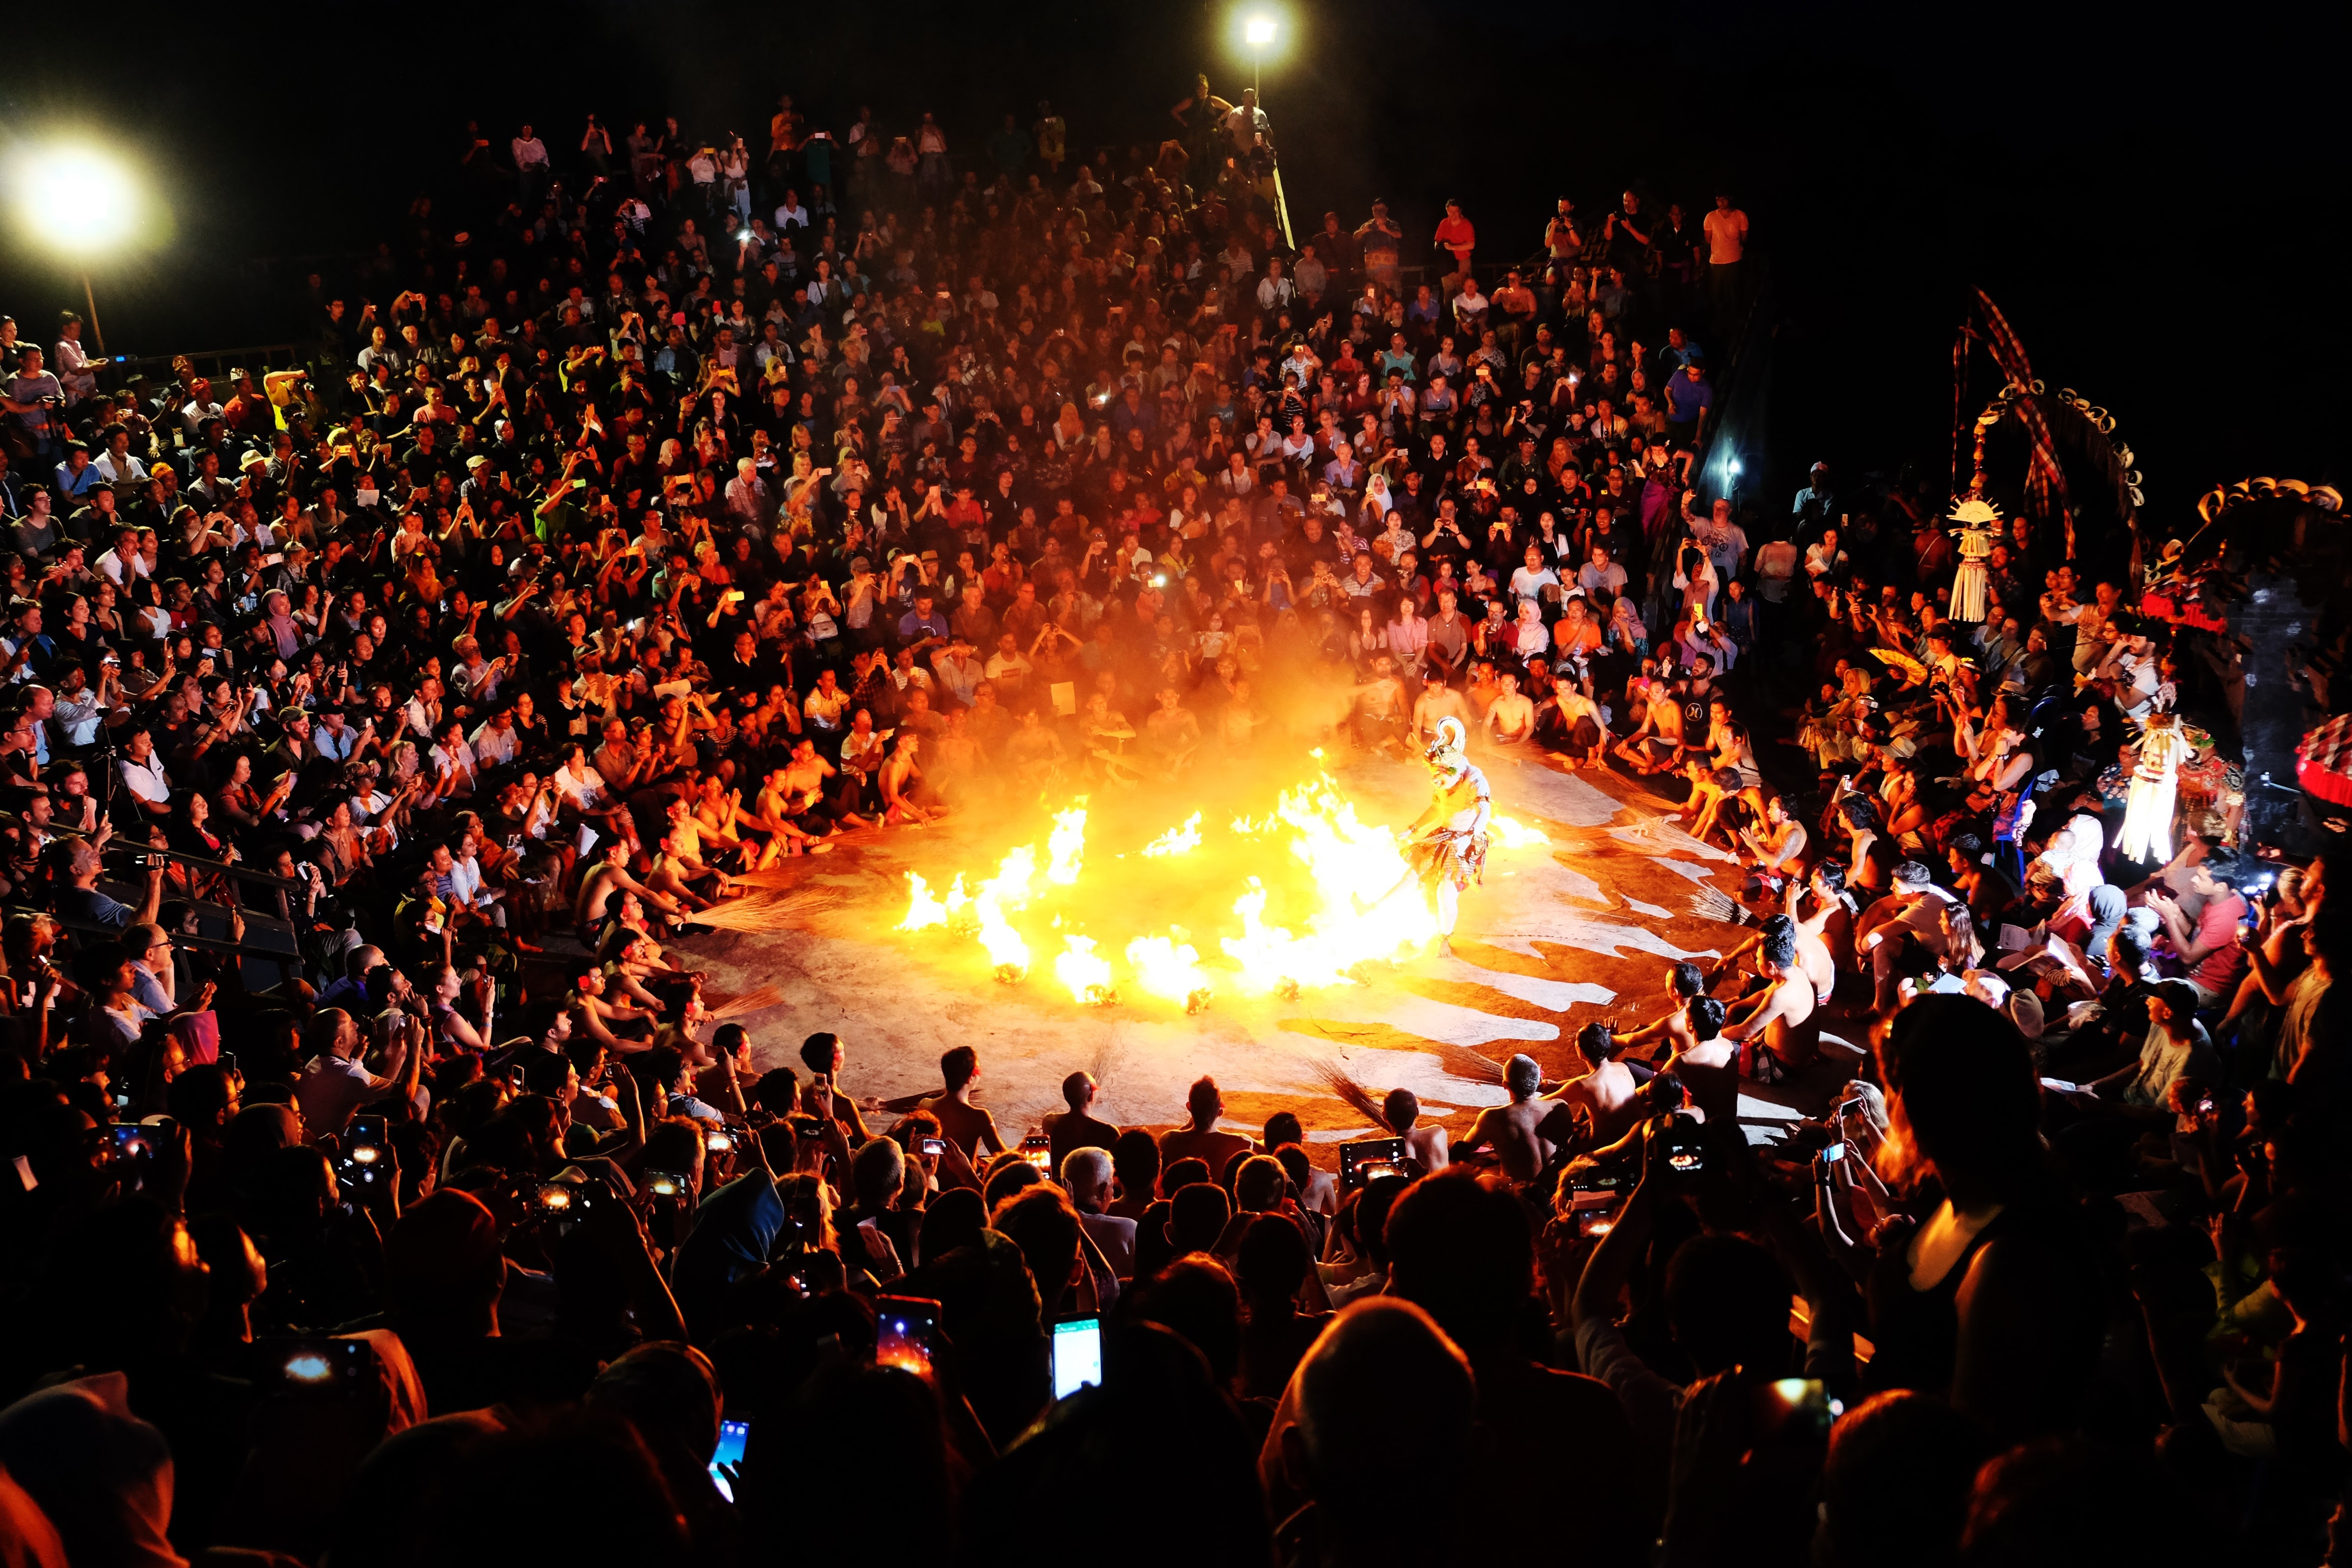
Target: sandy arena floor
column 1584, row 929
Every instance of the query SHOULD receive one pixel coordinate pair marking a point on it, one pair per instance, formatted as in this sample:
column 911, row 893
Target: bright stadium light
column 1259, row 31
column 80, row 201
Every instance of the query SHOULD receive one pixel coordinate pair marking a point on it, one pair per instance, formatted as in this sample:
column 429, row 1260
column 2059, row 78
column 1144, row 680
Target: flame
column 1085, row 971
column 1067, row 845
column 1167, row 967
column 1177, row 840
column 1007, row 952
column 1373, row 906
column 1360, row 900
column 922, row 910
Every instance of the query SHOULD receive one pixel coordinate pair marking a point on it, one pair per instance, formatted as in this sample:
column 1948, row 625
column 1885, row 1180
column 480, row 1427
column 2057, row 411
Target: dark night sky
column 2159, row 212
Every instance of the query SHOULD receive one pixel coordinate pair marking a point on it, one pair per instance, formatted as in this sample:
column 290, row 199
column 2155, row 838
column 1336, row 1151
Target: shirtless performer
column 1657, row 741
column 1447, row 843
column 962, row 1123
column 607, row 876
column 1777, row 848
column 1610, row 1096
column 1510, row 1133
column 1379, row 716
column 594, row 1016
column 901, row 779
column 1709, row 1066
column 1672, row 1032
column 805, row 777
column 1511, row 716
column 772, row 813
column 1783, row 1018
column 1436, row 702
column 1399, row 1111
column 687, row 851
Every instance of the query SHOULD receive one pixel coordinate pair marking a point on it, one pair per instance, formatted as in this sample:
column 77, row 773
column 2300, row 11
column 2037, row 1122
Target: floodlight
column 76, row 199
column 1259, row 31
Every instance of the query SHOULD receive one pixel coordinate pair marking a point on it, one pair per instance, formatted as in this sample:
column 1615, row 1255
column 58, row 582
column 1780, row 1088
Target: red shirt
column 1455, row 234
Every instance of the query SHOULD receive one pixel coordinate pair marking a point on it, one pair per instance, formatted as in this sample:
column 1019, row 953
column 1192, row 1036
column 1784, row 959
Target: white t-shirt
column 1727, row 235
column 1528, row 584
column 330, row 1089
column 149, row 782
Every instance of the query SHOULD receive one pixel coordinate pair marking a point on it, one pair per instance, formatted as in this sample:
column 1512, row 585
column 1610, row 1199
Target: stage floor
column 1587, row 928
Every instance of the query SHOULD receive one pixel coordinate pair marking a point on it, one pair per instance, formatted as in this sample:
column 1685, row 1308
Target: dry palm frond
column 766, row 912
column 1469, row 1062
column 786, row 876
column 1351, row 1093
column 1478, row 1067
column 1708, row 904
column 752, row 1001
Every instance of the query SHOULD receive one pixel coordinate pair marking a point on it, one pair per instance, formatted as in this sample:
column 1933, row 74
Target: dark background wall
column 2159, row 208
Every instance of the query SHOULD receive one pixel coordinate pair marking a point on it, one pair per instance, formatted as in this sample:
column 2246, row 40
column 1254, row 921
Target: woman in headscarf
column 735, row 1228
column 284, row 630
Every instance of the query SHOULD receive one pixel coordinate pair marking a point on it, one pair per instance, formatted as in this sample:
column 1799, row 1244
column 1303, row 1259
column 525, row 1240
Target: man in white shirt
column 1247, row 126
column 1530, row 581
column 73, row 365
column 495, row 742
column 1727, row 245
column 336, row 1084
column 1008, row 669
column 1273, row 291
column 122, row 565
column 143, row 775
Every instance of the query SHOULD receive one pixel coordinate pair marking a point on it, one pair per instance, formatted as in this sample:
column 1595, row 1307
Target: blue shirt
column 1687, row 399
column 912, row 626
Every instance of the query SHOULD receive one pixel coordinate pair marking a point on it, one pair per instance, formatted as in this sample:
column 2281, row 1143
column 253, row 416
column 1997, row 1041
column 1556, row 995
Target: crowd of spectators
column 384, row 1191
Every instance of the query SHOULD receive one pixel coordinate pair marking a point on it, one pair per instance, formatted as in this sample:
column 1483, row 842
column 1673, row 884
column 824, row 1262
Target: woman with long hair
column 1989, row 1293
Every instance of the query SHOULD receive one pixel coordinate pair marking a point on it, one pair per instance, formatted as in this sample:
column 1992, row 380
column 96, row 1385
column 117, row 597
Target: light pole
column 1257, row 32
column 78, row 200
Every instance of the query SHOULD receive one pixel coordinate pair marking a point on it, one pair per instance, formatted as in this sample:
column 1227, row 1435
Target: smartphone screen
column 317, row 1365
column 1797, row 1407
column 1038, row 1150
column 1365, row 1158
column 1078, row 1355
column 1684, row 1147
column 732, row 1435
column 903, row 1330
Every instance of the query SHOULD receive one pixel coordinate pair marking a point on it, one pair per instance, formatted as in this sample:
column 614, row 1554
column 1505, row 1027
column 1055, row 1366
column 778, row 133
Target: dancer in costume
column 1447, row 843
